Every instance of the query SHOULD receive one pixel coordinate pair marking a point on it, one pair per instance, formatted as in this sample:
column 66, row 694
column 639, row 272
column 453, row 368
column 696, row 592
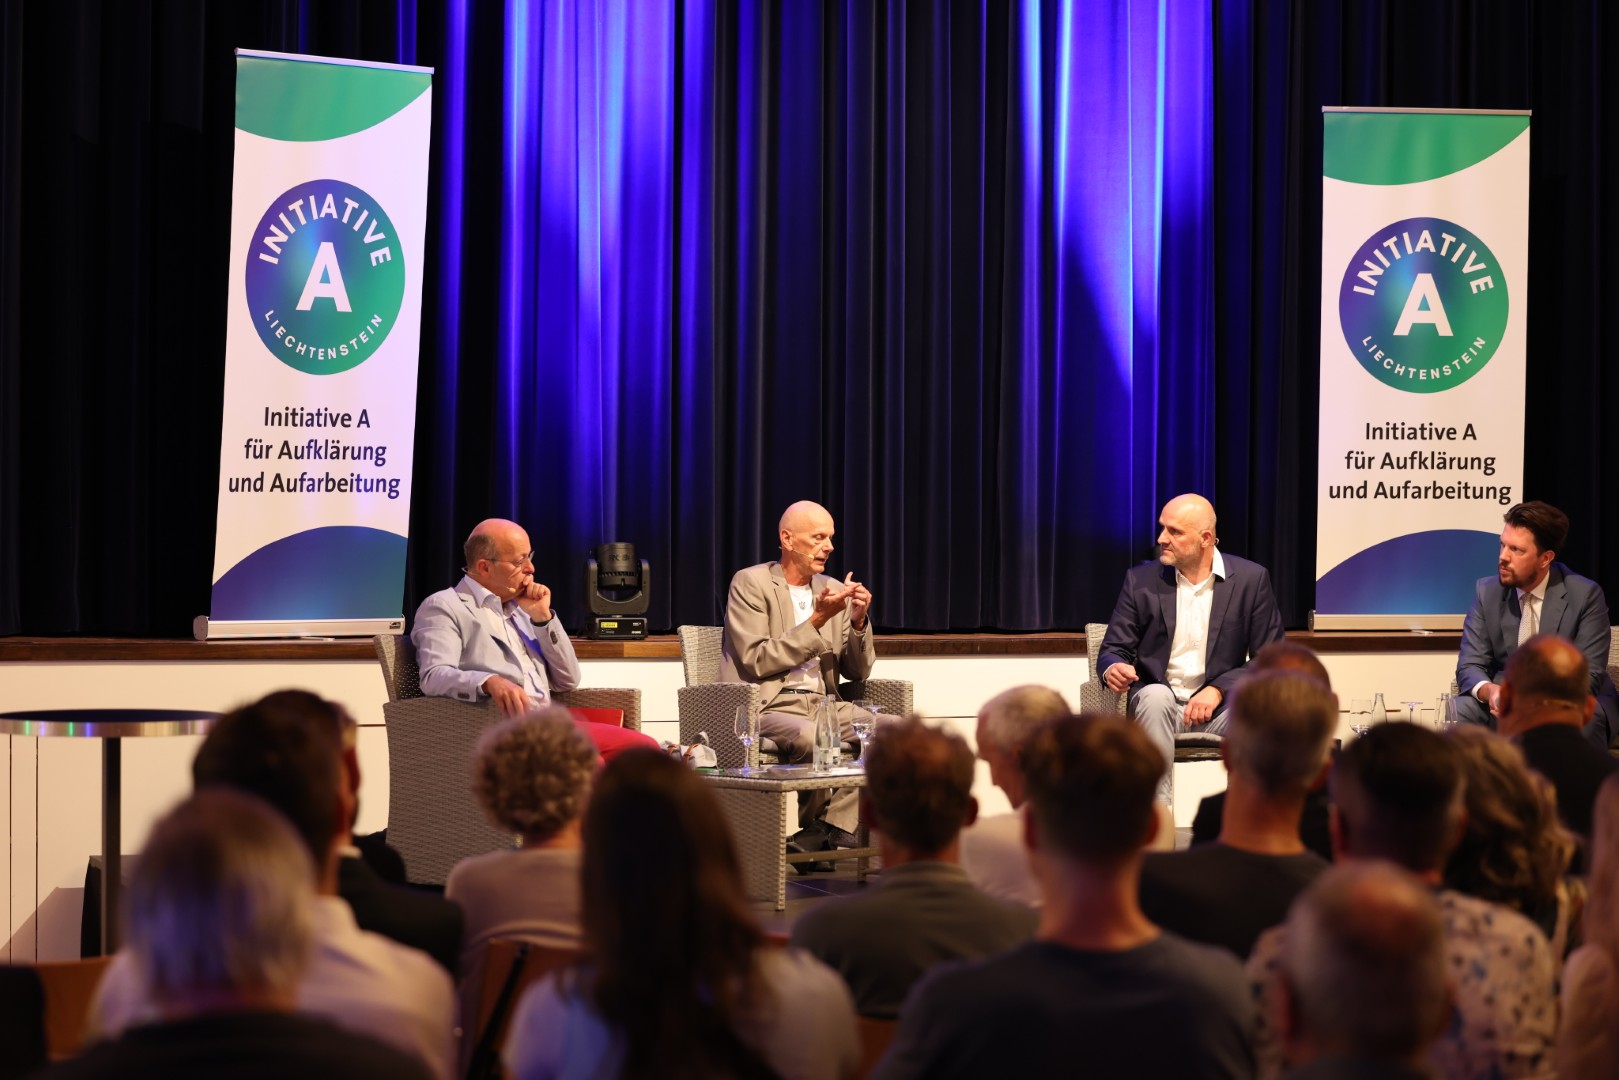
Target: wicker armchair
column 708, row 705
column 433, row 820
column 1094, row 696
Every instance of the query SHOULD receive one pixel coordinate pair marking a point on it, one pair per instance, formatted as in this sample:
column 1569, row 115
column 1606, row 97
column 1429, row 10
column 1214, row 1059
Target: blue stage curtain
column 943, row 267
column 990, row 278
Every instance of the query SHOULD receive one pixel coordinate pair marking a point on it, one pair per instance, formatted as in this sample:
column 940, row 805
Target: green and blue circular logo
column 1423, row 305
column 325, row 277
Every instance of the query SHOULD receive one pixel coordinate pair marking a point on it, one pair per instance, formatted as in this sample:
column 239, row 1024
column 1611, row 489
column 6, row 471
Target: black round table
column 111, row 726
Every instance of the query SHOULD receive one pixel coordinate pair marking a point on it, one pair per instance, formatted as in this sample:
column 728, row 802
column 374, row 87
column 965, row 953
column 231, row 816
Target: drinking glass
column 866, row 722
column 746, row 726
column 1411, row 708
column 1428, row 717
column 1452, row 714
column 1360, row 715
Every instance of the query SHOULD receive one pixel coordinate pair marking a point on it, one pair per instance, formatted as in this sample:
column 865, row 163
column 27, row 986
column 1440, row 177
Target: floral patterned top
column 1504, row 1023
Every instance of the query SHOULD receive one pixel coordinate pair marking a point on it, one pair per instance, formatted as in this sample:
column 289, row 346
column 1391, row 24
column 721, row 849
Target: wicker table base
column 761, row 821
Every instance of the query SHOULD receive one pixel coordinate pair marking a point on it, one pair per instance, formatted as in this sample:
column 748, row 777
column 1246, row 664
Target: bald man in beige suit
column 794, row 630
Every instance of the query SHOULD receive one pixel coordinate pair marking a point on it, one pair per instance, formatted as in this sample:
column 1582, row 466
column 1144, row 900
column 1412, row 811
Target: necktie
column 1531, row 618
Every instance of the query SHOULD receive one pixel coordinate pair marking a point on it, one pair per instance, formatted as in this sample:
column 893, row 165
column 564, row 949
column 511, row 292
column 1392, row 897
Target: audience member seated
column 680, row 981
column 1278, row 736
column 1513, row 851
column 1397, row 794
column 1101, row 992
column 221, row 922
column 1588, row 1042
column 409, row 916
column 1545, row 702
column 359, row 980
column 531, row 776
column 1363, row 986
column 923, row 910
column 1278, row 656
column 992, row 851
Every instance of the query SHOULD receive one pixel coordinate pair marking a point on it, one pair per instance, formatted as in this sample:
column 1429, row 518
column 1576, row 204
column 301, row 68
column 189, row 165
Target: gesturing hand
column 859, row 602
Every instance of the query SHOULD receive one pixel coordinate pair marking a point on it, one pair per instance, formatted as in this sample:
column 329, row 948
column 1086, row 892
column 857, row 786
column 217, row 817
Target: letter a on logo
column 1423, row 305
column 326, row 279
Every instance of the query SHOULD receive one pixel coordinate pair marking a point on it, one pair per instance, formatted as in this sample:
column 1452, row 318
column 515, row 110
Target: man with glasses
column 495, row 636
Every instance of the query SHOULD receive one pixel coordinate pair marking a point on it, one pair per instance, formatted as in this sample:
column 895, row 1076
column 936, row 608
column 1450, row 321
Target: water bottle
column 828, row 746
column 1379, row 713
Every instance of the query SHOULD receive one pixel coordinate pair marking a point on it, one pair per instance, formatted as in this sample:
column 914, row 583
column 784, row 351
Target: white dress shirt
column 1188, row 649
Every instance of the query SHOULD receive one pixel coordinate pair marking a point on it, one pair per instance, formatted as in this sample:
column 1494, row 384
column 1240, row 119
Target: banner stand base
column 205, row 629
column 1415, row 623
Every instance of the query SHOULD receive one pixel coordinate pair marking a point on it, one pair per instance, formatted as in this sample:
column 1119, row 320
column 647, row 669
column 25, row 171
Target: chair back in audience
column 521, row 963
column 22, row 1022
column 46, row 1008
column 434, row 821
column 875, row 1035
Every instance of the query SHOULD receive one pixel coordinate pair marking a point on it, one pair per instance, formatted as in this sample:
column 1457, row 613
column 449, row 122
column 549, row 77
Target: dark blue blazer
column 1574, row 608
column 1242, row 620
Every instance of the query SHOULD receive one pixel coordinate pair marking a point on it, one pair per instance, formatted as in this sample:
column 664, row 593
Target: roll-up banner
column 328, row 223
column 1424, row 294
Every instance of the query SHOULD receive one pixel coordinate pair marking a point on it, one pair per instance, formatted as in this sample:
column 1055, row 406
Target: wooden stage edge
column 658, row 647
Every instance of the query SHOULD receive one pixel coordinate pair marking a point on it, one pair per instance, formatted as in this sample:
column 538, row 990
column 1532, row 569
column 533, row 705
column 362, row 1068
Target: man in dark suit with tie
column 1184, row 628
column 1532, row 593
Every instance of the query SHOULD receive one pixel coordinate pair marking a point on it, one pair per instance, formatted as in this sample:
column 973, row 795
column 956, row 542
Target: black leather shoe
column 837, row 838
column 806, row 840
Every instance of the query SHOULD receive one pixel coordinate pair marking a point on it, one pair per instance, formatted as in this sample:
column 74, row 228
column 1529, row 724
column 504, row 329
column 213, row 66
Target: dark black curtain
column 977, row 462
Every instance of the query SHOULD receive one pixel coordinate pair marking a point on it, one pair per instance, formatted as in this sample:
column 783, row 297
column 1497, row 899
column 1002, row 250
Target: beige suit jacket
column 762, row 644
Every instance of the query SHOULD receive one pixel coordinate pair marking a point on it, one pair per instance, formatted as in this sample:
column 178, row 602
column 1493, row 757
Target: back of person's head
column 531, row 773
column 1397, row 791
column 286, row 751
column 1280, row 730
column 1545, row 522
column 312, row 708
column 221, row 902
column 1008, row 718
column 1513, row 850
column 1290, row 656
column 670, row 935
column 1601, row 923
column 1363, row 964
column 1548, row 668
column 1091, row 780
column 919, row 780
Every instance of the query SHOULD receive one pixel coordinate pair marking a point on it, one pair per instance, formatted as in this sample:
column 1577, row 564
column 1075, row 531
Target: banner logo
column 1423, row 305
column 325, row 277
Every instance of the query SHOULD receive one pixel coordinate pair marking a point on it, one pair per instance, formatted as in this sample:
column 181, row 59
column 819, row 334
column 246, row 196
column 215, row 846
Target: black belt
column 796, row 690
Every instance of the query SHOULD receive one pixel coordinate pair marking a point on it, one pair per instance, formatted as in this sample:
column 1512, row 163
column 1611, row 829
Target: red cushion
column 613, row 717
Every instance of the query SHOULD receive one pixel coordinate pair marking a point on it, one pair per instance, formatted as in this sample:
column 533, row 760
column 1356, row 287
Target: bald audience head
column 1290, row 656
column 1005, row 722
column 1280, row 732
column 1397, row 795
column 1547, row 681
column 919, row 782
column 1363, row 966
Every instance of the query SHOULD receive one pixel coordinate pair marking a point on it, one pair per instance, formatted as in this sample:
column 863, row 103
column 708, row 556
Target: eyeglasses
column 519, row 561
